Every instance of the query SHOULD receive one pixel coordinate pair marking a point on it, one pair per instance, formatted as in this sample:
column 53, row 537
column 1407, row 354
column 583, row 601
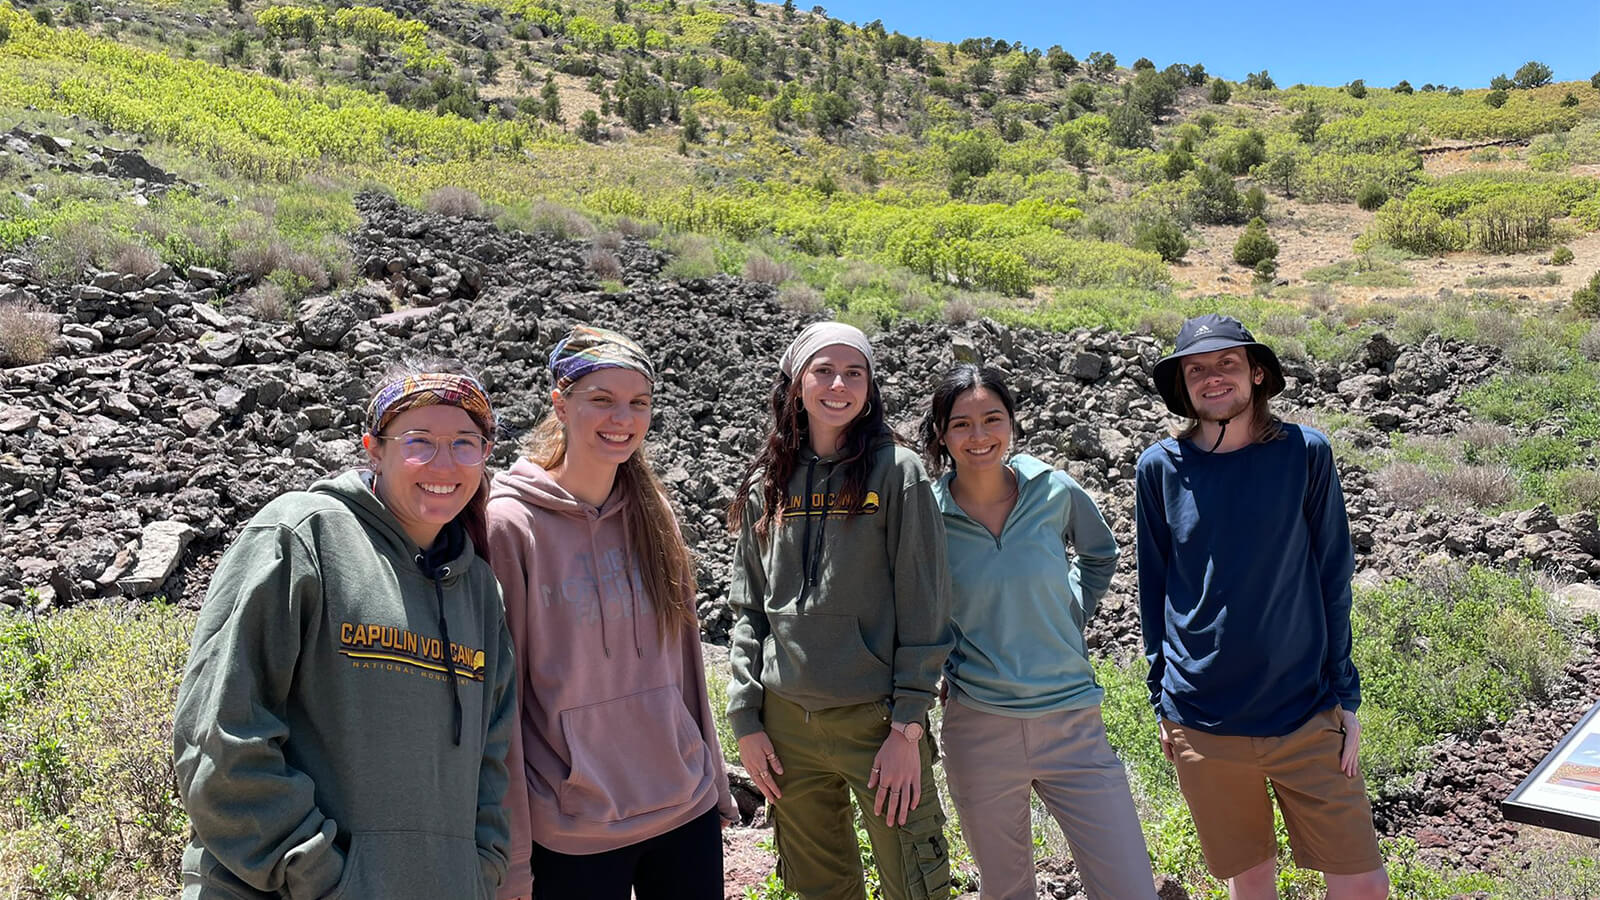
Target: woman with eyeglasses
column 342, row 727
column 618, row 786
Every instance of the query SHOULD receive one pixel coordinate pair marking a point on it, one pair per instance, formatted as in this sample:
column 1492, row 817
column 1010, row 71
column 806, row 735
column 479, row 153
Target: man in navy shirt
column 1244, row 598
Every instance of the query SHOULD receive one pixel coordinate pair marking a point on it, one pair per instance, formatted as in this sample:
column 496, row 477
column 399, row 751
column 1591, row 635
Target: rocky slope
column 169, row 415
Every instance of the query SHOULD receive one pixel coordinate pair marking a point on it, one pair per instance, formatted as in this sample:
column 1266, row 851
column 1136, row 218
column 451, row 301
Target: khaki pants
column 827, row 756
column 994, row 762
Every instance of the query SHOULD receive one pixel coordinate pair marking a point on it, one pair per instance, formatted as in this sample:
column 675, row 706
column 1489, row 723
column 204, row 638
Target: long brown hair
column 1265, row 424
column 475, row 517
column 773, row 466
column 664, row 558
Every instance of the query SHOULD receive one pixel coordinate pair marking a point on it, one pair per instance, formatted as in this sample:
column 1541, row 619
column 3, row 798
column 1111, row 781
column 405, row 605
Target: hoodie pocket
column 397, row 865
column 632, row 756
column 822, row 656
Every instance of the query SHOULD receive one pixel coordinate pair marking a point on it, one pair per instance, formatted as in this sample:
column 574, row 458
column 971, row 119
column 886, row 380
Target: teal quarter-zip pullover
column 1022, row 598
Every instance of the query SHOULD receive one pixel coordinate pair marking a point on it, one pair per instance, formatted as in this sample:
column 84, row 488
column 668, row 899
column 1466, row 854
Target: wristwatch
column 911, row 730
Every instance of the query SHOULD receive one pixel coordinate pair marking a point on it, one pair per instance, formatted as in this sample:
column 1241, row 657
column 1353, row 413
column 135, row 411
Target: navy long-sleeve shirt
column 1244, row 584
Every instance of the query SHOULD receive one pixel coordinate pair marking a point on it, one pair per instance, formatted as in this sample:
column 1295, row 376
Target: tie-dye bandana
column 587, row 349
column 429, row 389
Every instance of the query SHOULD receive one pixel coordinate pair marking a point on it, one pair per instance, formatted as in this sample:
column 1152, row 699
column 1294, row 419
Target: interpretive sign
column 1563, row 791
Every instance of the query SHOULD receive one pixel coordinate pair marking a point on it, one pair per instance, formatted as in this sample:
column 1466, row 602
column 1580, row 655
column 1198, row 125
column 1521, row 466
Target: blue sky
column 1463, row 43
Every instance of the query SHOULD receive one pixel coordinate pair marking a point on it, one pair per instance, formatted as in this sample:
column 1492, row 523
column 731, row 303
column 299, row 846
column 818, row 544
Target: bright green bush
column 86, row 699
column 1561, row 256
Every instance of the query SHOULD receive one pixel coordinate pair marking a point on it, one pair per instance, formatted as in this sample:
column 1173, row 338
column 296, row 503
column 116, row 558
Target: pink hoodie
column 618, row 740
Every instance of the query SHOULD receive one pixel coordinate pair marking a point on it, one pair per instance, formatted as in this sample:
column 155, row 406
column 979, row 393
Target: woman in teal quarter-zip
column 1030, row 557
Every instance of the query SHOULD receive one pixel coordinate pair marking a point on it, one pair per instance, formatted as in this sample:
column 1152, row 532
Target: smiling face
column 425, row 496
column 606, row 414
column 978, row 434
column 1220, row 383
column 833, row 390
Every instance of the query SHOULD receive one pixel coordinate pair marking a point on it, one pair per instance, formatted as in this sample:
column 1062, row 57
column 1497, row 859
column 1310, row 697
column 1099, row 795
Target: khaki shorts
column 1225, row 779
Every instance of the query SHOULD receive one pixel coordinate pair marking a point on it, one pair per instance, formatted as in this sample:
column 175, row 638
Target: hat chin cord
column 1220, row 433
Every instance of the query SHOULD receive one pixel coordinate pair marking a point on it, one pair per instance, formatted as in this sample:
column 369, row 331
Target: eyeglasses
column 466, row 450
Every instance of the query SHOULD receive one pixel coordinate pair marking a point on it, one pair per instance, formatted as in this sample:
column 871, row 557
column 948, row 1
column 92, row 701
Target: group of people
column 415, row 680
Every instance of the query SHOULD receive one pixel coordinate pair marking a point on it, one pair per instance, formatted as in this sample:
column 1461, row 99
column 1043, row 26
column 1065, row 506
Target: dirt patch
column 1312, row 236
column 744, row 862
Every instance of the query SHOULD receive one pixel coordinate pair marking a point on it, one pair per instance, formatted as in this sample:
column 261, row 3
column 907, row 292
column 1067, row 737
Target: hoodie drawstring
column 599, row 589
column 627, row 573
column 811, row 553
column 444, row 633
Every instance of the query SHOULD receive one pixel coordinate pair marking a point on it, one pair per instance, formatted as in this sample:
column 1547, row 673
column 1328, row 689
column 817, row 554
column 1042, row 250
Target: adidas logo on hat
column 1203, row 329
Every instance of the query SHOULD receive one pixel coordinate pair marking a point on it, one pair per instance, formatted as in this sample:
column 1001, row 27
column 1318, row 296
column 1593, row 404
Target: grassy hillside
column 878, row 174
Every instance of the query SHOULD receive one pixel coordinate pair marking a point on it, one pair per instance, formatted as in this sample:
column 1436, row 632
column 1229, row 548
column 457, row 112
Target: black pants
column 683, row 864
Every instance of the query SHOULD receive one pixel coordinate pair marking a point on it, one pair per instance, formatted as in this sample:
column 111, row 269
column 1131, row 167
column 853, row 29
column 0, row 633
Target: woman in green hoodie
column 342, row 726
column 842, row 604
column 1030, row 557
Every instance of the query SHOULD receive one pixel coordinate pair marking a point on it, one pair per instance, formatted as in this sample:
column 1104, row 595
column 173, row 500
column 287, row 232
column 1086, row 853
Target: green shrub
column 1254, row 246
column 1586, row 300
column 1214, row 200
column 1532, row 74
column 1129, row 127
column 1447, row 652
column 1247, row 150
column 1357, row 89
column 1561, row 256
column 86, row 699
column 1221, row 92
column 1496, row 98
column 1255, row 202
column 1371, row 196
column 1162, row 237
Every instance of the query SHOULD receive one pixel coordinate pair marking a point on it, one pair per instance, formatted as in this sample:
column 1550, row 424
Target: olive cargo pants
column 827, row 756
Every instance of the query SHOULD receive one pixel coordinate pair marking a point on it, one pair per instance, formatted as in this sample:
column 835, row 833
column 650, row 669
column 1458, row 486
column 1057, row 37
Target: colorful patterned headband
column 430, row 389
column 587, row 349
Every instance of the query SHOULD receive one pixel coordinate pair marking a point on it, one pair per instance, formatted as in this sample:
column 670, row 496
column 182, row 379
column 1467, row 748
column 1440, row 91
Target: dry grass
column 268, row 302
column 1483, row 487
column 608, row 240
column 27, row 333
column 1581, row 487
column 135, row 259
column 915, row 302
column 454, row 201
column 802, row 298
column 74, row 248
column 763, row 268
column 1284, row 325
column 1408, row 484
column 1589, row 344
column 559, row 221
column 602, row 262
column 1480, row 438
column 960, row 310
column 635, row 229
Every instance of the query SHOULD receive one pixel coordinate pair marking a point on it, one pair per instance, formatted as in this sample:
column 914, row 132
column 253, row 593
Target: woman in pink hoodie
column 617, row 779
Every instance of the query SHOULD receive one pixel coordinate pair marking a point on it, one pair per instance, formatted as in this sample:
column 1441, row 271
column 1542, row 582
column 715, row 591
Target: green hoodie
column 833, row 610
column 315, row 734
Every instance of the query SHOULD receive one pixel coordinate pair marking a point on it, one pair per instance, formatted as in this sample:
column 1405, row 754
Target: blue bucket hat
column 1207, row 334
